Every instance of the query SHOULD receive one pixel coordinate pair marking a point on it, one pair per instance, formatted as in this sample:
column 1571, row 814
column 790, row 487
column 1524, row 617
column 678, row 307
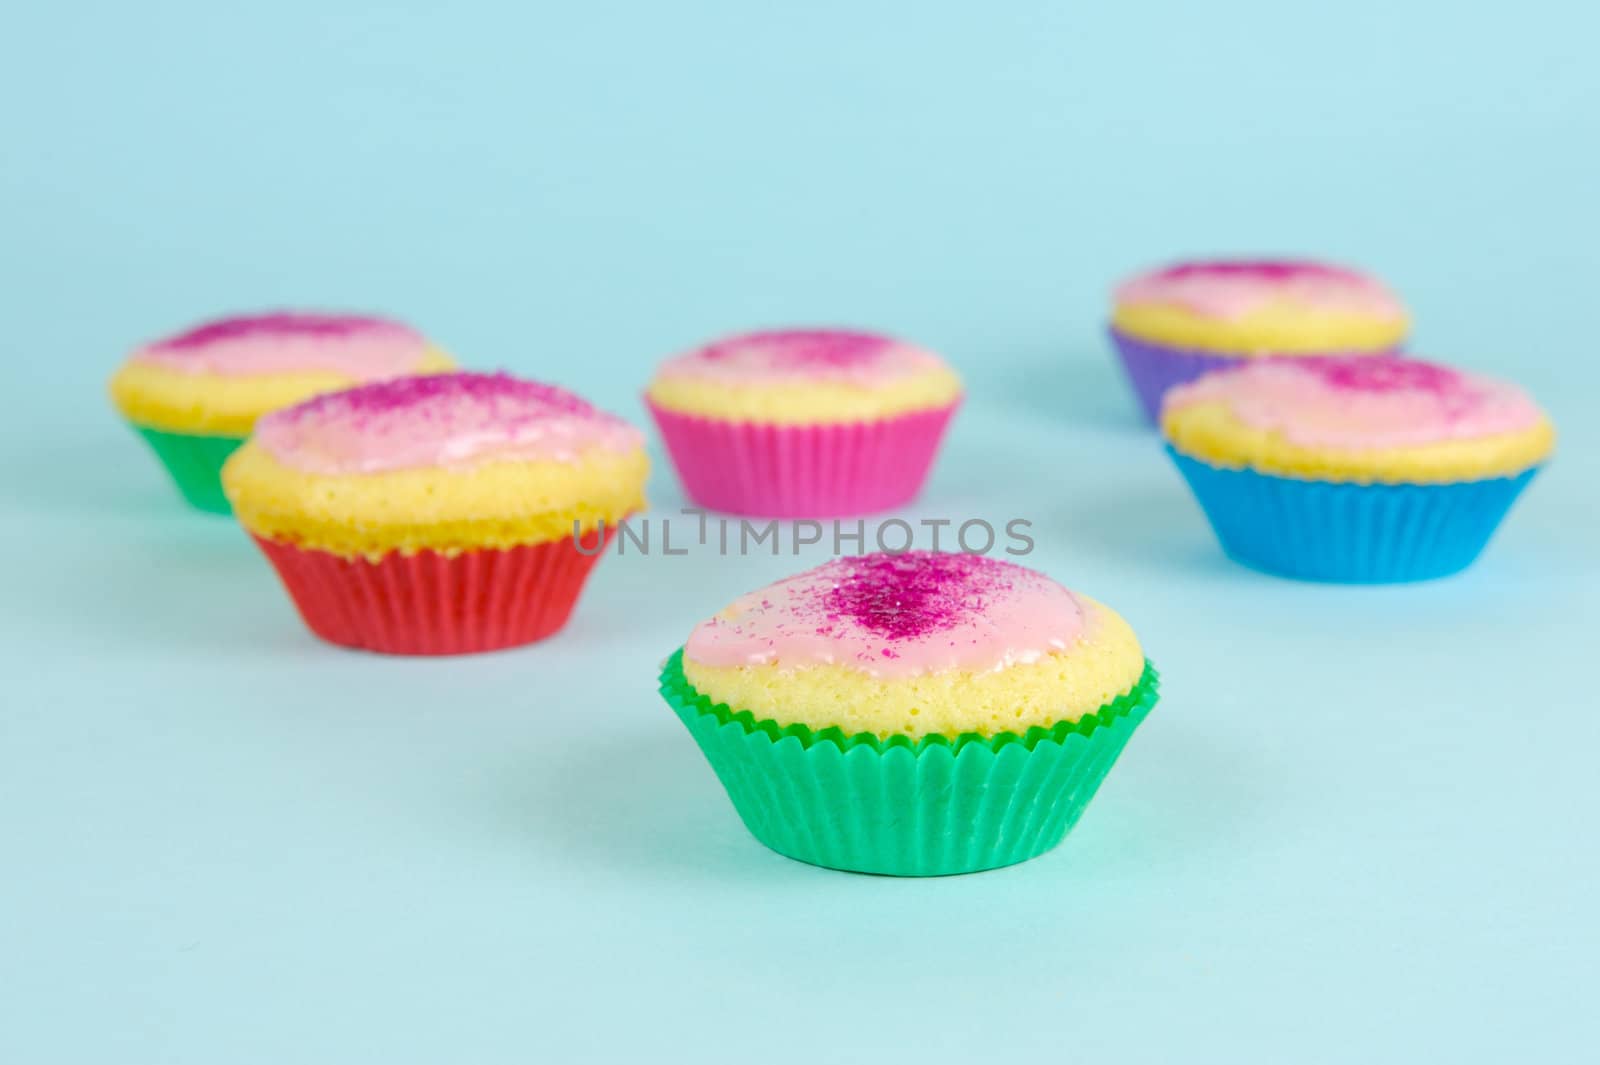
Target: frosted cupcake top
column 1233, row 289
column 896, row 616
column 452, row 420
column 1361, row 402
column 285, row 342
column 807, row 355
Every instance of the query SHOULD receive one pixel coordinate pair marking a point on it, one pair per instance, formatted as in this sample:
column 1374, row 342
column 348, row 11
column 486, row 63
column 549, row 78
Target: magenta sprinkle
column 276, row 324
column 803, row 348
column 905, row 596
column 1265, row 269
column 1387, row 374
column 485, row 389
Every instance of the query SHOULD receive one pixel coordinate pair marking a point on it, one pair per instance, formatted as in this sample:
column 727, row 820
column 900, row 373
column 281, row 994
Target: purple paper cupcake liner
column 1154, row 368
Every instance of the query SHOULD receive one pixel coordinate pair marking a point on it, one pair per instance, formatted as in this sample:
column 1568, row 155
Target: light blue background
column 1359, row 827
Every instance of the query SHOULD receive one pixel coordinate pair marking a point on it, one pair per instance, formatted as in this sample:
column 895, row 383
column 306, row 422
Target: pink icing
column 802, row 354
column 454, row 420
column 896, row 616
column 1232, row 289
column 1362, row 401
column 356, row 346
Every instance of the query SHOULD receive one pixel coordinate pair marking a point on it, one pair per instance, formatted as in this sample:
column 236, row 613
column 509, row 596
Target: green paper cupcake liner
column 901, row 806
column 195, row 463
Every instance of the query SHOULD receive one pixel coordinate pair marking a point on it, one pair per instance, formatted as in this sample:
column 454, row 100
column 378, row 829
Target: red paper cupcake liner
column 802, row 471
column 429, row 603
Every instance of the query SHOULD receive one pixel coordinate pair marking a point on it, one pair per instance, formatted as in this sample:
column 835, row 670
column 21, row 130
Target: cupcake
column 442, row 514
column 1354, row 470
column 1174, row 324
column 913, row 714
column 195, row 396
column 803, row 423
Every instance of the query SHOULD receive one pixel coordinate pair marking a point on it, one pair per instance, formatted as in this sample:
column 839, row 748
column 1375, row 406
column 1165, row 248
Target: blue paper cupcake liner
column 1348, row 532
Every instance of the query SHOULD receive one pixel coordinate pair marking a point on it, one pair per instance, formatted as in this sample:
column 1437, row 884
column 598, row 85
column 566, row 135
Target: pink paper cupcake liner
column 802, row 471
